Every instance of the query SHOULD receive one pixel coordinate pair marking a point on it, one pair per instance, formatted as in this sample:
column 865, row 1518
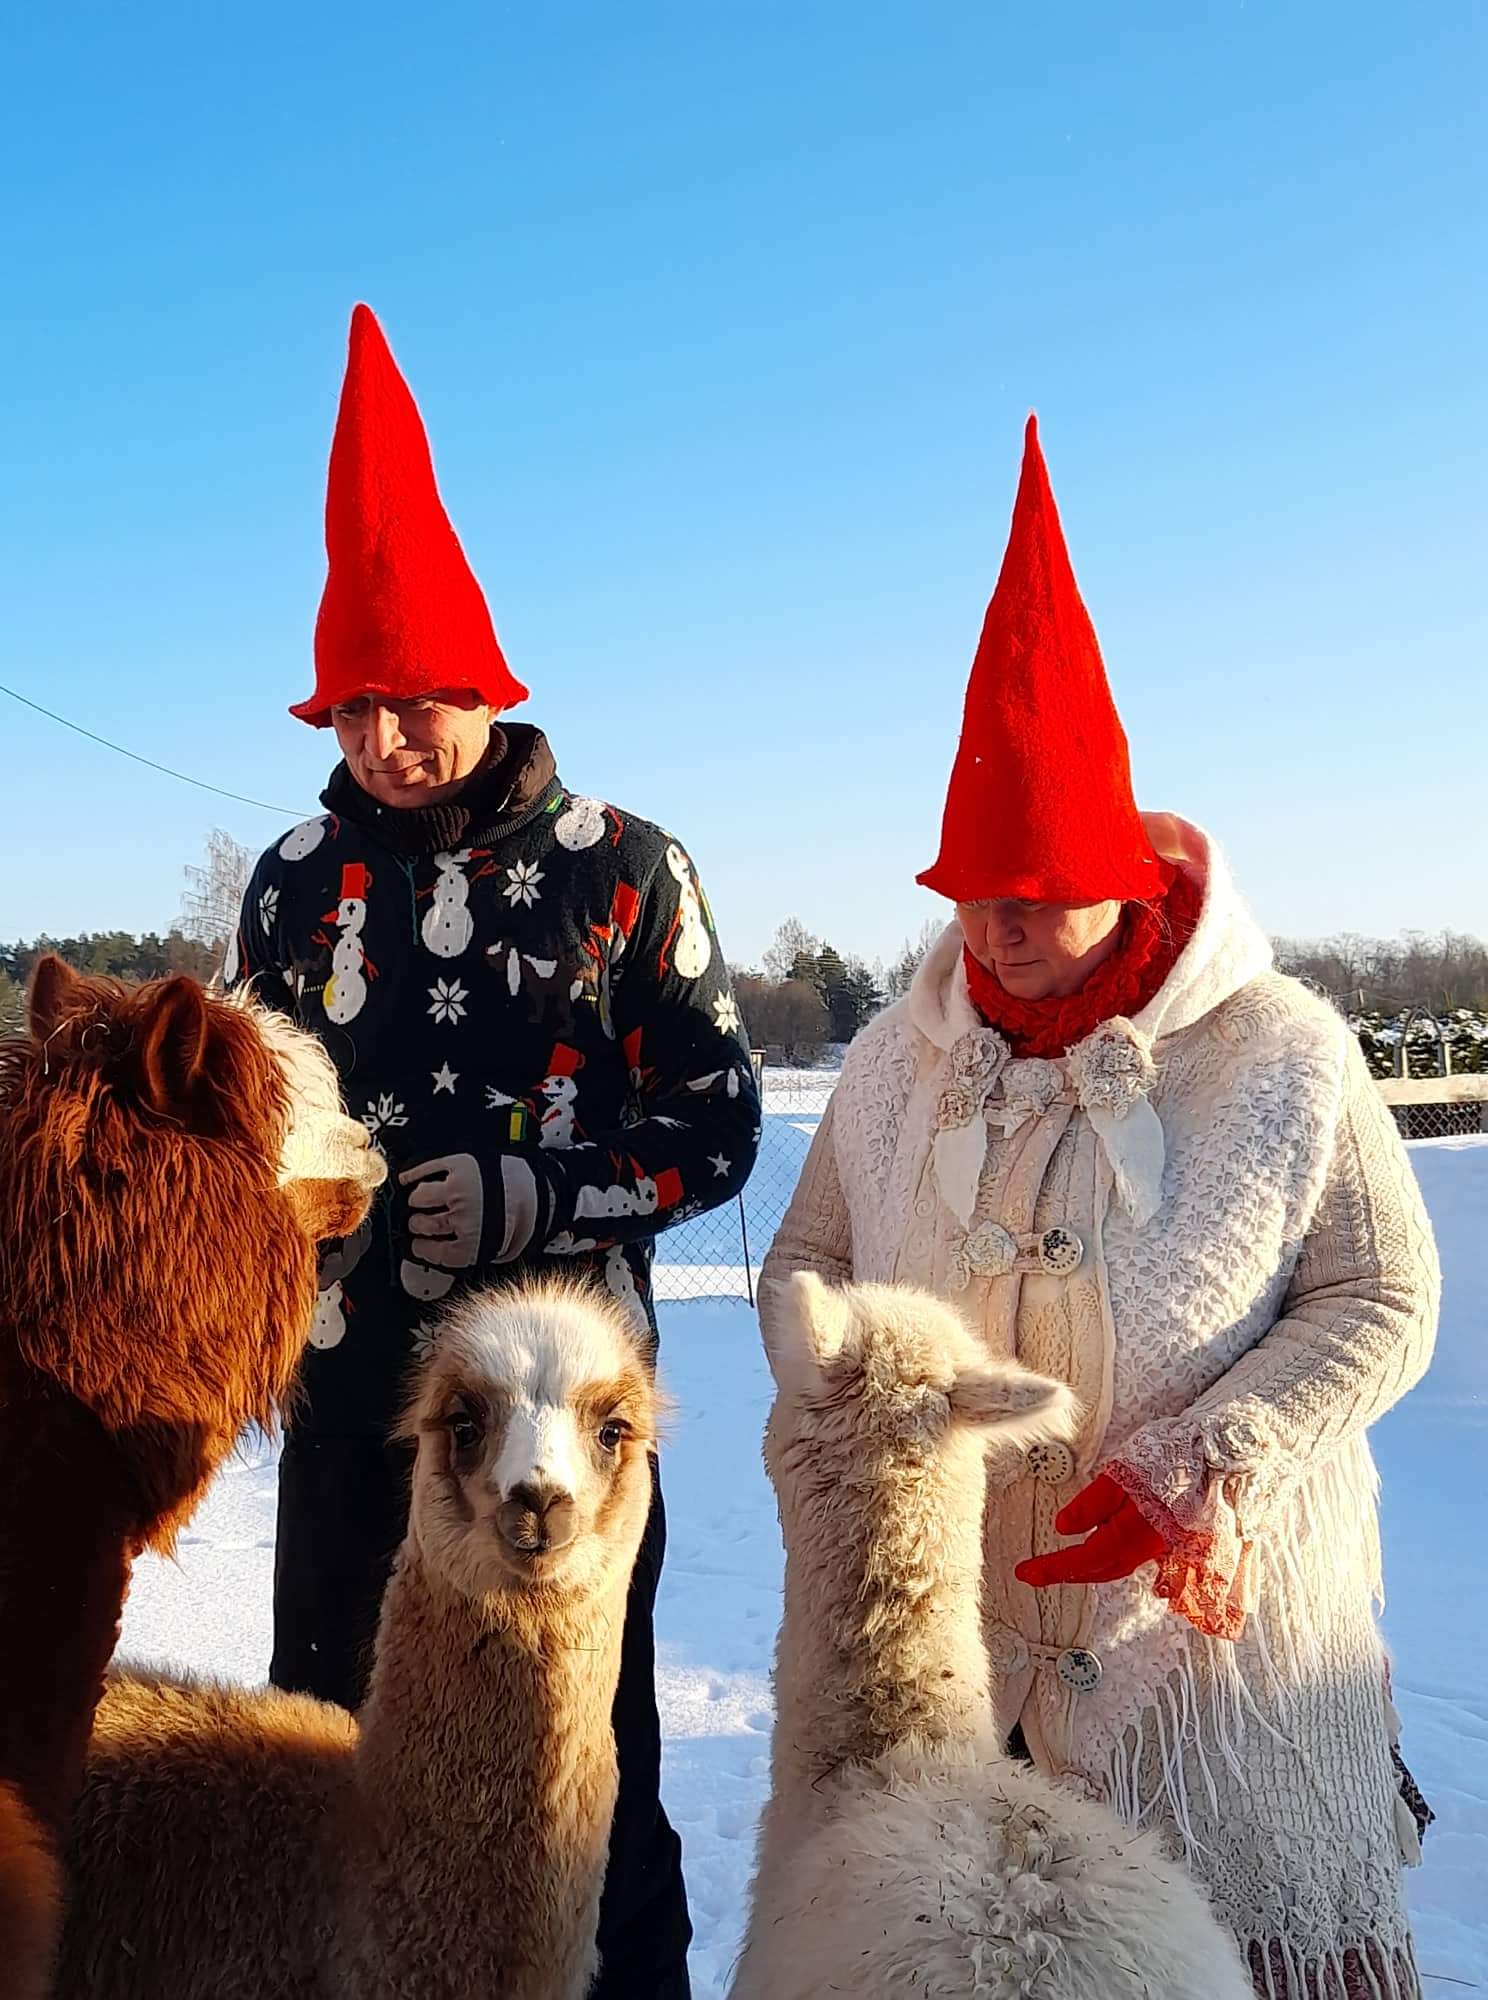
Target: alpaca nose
column 537, row 1517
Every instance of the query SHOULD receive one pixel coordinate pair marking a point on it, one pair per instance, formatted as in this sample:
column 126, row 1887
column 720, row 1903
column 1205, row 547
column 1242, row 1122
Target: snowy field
column 720, row 1594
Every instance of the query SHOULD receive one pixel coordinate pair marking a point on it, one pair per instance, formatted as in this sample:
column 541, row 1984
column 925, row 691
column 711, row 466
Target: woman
column 1150, row 1165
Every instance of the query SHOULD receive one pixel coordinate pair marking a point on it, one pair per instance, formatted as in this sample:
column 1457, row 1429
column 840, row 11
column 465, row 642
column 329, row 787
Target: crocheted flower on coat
column 977, row 1059
column 988, row 1251
column 1112, row 1068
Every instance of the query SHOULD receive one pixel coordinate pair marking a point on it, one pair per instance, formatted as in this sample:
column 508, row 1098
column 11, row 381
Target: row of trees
column 1423, row 988
column 807, row 993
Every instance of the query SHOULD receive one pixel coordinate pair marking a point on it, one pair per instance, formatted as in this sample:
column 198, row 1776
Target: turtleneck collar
column 516, row 776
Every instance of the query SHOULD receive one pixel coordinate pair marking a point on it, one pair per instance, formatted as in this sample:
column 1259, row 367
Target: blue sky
column 725, row 321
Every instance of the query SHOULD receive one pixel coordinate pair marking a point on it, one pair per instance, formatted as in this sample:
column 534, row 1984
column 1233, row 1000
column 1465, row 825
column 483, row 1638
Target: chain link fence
column 718, row 1255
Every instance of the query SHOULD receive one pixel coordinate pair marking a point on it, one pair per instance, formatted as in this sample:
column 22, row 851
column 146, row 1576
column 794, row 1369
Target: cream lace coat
column 1203, row 1220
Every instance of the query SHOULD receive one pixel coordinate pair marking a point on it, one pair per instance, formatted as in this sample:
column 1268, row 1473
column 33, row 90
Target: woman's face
column 1039, row 951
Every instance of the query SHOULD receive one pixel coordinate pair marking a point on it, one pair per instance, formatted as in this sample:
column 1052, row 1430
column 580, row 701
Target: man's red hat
column 402, row 614
column 1040, row 804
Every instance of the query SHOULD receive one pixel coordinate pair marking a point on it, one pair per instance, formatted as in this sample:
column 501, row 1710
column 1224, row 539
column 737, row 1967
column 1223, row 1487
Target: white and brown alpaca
column 168, row 1162
column 902, row 1851
column 233, row 1845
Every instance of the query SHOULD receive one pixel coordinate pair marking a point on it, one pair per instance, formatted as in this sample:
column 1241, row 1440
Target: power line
column 283, row 812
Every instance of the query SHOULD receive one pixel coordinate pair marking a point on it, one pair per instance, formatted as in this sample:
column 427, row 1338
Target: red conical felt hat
column 1040, row 803
column 402, row 614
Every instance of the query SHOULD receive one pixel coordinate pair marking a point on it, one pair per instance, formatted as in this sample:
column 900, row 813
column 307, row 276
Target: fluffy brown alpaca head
column 535, row 1419
column 168, row 1160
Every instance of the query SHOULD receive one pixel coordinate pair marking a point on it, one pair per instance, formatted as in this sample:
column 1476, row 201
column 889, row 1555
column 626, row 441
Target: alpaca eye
column 464, row 1431
column 610, row 1435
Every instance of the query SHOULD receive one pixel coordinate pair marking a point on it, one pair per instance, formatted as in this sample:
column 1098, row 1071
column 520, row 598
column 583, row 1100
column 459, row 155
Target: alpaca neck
column 486, row 1778
column 64, row 1573
column 880, row 1644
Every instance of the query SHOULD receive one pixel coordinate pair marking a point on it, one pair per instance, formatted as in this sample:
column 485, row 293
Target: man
column 526, row 1001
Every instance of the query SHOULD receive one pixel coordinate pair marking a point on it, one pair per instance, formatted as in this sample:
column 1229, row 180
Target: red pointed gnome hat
column 1040, row 804
column 402, row 614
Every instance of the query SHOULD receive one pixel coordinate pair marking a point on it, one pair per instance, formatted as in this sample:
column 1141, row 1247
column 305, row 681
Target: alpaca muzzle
column 537, row 1520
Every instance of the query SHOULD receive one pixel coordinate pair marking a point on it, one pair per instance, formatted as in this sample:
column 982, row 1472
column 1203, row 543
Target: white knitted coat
column 1203, row 1220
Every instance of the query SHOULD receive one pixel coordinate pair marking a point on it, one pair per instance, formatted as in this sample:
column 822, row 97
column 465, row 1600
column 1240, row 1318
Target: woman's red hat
column 1040, row 804
column 402, row 614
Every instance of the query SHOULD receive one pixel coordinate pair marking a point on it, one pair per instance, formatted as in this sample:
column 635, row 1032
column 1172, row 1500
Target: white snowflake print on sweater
column 522, row 881
column 726, row 1014
column 448, row 997
column 383, row 1113
column 268, row 909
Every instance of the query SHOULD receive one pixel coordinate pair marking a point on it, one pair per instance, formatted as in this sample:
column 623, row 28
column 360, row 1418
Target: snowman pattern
column 448, row 925
column 692, row 944
column 559, row 1089
column 581, row 824
column 302, row 840
column 328, row 1327
column 621, row 1285
column 346, row 989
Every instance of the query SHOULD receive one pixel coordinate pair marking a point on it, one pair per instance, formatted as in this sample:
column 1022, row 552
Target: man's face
column 412, row 753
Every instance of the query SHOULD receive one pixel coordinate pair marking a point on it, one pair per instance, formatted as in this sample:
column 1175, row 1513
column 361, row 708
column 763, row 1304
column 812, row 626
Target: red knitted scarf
column 1153, row 934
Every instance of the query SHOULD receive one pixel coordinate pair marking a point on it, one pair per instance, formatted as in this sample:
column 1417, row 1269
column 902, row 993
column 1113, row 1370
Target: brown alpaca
column 168, row 1161
column 452, row 1842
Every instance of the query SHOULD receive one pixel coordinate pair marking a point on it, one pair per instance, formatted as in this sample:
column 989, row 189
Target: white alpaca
column 902, row 1851
column 448, row 925
column 230, row 1845
column 692, row 953
column 346, row 990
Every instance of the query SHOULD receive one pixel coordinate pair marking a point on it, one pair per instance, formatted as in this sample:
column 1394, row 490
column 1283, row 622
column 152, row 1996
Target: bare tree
column 214, row 891
column 792, row 942
column 898, row 978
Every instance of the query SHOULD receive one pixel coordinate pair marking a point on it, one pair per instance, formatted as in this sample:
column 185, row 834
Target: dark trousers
column 343, row 1508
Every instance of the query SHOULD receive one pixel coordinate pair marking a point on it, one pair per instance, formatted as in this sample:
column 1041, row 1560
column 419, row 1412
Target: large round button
column 1051, row 1463
column 1060, row 1251
column 1079, row 1669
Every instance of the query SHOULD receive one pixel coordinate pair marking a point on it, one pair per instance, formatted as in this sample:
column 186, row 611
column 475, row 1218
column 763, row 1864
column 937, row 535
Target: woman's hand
column 1118, row 1540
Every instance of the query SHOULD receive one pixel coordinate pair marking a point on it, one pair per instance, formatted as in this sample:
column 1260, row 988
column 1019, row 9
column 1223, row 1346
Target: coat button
column 1051, row 1463
column 1079, row 1669
column 1060, row 1252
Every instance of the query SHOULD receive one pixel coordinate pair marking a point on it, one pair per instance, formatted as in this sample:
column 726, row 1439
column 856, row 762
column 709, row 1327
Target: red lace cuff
column 1206, row 1573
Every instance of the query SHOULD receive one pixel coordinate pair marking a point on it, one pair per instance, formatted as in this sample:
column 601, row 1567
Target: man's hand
column 446, row 1207
column 1118, row 1541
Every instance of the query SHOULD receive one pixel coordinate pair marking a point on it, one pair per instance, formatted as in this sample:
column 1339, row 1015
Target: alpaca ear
column 173, row 1046
column 1020, row 1406
column 804, row 1324
column 54, row 986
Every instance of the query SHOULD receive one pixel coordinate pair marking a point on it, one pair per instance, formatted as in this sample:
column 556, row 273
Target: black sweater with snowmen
column 526, row 1000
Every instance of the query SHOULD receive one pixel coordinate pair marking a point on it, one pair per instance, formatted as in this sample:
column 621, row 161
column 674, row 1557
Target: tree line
column 1415, row 993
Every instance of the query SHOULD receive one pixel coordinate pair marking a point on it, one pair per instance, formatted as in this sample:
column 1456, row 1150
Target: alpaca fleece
column 156, row 1287
column 902, row 1852
column 452, row 1841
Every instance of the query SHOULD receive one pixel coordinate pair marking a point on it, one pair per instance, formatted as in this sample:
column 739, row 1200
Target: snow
column 720, row 1595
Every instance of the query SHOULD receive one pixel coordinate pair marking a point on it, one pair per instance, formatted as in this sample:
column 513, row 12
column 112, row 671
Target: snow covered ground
column 720, row 1595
